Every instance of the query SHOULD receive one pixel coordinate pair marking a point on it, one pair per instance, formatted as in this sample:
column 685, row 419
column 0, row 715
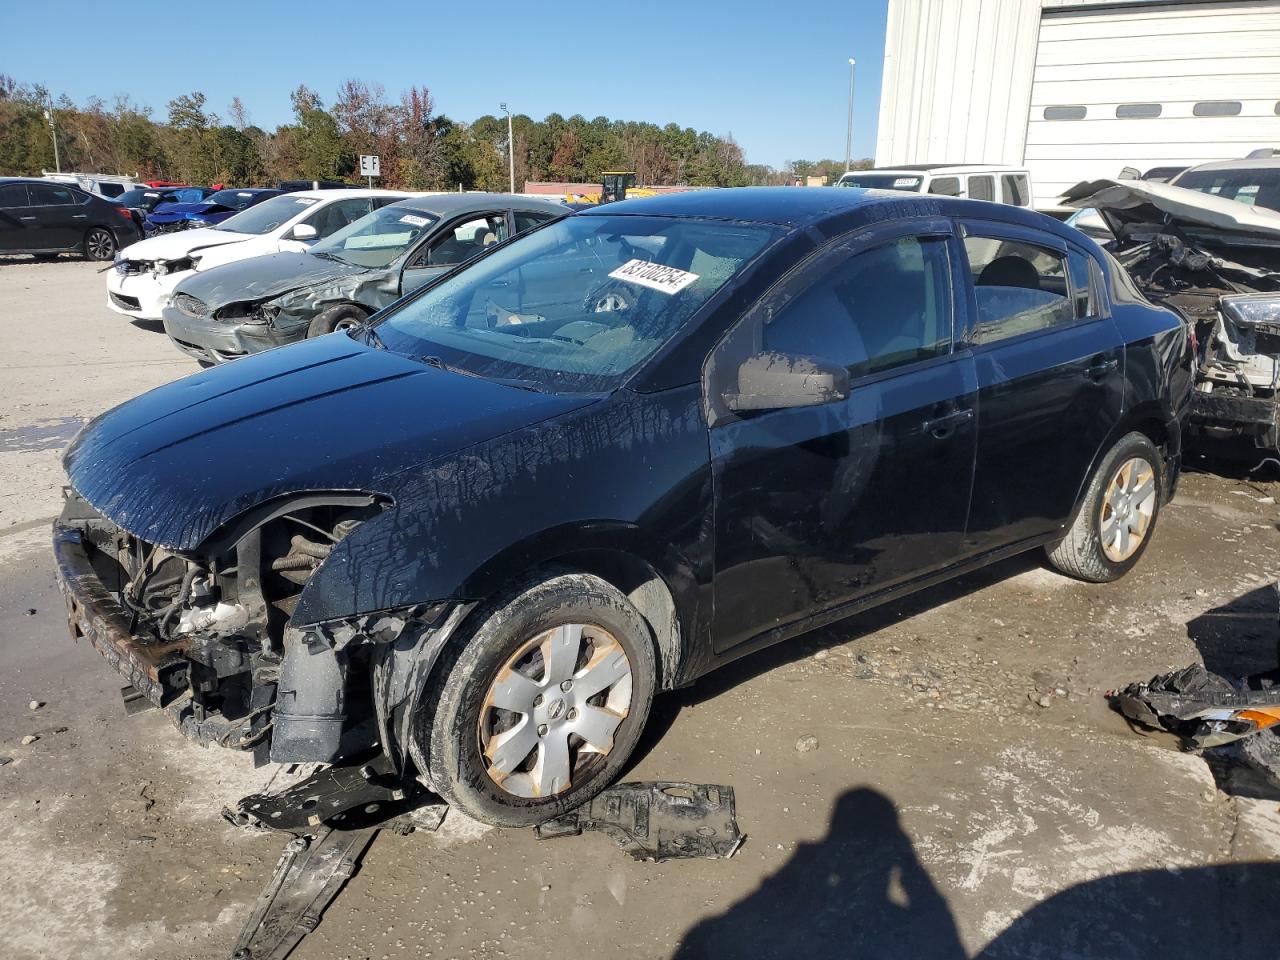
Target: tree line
column 420, row 148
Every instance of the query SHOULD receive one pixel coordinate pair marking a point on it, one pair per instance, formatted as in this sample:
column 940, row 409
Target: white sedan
column 146, row 273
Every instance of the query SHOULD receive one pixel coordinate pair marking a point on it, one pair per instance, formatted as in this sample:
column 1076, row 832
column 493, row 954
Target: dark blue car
column 480, row 531
column 213, row 209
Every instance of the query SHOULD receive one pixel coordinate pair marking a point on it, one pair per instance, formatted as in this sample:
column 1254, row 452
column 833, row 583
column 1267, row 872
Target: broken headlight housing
column 1256, row 311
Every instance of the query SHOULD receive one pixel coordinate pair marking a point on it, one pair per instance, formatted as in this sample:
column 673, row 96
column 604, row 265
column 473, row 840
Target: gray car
column 263, row 302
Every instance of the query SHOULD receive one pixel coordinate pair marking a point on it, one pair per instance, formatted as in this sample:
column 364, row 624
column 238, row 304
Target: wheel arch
column 657, row 583
column 1153, row 420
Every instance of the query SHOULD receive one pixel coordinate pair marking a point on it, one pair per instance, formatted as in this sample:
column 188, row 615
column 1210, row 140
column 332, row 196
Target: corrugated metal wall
column 1166, row 59
column 957, row 81
column 969, row 81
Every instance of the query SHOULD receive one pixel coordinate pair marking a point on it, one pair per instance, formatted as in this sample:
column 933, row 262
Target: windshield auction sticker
column 414, row 221
column 654, row 276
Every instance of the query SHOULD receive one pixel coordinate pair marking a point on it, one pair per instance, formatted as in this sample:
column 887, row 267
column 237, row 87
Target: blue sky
column 775, row 75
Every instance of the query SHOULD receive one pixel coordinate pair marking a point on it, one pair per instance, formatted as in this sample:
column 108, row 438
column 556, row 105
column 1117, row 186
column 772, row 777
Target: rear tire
column 99, row 244
column 344, row 317
column 495, row 757
column 1118, row 515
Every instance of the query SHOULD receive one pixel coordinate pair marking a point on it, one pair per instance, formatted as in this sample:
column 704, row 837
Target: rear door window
column 1019, row 288
column 527, row 221
column 1014, row 189
column 47, row 195
column 947, row 186
column 982, row 187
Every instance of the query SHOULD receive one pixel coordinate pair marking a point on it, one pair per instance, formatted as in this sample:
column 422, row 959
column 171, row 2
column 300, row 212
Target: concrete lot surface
column 970, row 794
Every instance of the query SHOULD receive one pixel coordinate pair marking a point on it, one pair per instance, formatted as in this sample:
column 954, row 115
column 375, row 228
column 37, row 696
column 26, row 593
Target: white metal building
column 1079, row 89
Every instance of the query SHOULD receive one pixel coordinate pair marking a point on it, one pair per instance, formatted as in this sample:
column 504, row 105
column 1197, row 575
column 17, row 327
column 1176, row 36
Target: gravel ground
column 969, row 792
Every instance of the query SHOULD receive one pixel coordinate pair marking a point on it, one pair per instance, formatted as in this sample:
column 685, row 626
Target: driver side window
column 878, row 309
column 462, row 241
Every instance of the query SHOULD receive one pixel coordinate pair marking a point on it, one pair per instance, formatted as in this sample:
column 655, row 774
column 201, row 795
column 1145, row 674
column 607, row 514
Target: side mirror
column 305, row 231
column 774, row 381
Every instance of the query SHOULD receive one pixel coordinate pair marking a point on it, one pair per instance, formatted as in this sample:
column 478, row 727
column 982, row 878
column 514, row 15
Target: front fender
column 474, row 519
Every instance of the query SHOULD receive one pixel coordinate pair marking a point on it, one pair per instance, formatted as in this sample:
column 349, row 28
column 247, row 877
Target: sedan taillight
column 124, row 212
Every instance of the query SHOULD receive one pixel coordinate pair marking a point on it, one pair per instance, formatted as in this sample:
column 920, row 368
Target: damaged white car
column 1217, row 261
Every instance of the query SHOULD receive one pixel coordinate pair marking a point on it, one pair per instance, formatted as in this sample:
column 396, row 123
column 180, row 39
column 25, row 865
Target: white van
column 977, row 181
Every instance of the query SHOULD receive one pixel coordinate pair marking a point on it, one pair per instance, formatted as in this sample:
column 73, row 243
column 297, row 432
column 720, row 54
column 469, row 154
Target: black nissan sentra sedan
column 483, row 530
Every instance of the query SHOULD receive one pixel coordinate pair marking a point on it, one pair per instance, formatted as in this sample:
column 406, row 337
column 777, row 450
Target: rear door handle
column 26, row 218
column 1101, row 368
column 79, row 216
column 941, row 426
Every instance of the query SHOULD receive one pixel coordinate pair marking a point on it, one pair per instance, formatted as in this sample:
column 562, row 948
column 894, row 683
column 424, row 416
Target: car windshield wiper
column 371, row 337
column 433, row 361
column 326, row 255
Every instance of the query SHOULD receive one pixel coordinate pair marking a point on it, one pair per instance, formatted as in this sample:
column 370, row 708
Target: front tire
column 542, row 706
column 345, row 317
column 1118, row 516
column 99, row 244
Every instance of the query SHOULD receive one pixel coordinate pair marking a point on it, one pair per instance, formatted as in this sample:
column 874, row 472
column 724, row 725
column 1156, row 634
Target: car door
column 818, row 505
column 16, row 218
column 1050, row 365
column 60, row 219
column 452, row 244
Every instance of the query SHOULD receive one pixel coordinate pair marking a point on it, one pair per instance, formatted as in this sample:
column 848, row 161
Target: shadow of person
column 858, row 892
column 1241, row 636
column 1228, row 910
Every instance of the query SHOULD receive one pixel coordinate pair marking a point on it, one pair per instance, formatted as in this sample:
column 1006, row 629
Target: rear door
column 818, row 505
column 61, row 220
column 1050, row 367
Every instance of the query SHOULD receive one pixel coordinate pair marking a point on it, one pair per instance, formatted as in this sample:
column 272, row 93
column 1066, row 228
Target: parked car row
column 305, row 264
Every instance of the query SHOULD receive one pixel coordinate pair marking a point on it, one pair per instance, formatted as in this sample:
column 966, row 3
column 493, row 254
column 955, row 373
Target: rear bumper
column 1220, row 413
column 156, row 670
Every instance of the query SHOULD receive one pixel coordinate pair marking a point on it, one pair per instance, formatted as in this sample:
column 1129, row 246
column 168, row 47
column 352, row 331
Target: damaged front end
column 1217, row 262
column 209, row 638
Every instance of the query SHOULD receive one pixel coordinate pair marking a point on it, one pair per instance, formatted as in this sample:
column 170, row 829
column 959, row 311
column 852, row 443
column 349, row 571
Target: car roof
column 942, row 167
column 447, row 204
column 336, row 192
column 846, row 208
column 1260, row 163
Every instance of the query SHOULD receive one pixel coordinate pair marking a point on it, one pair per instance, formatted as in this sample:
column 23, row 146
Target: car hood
column 329, row 414
column 174, row 246
column 1124, row 202
column 176, row 211
column 263, row 278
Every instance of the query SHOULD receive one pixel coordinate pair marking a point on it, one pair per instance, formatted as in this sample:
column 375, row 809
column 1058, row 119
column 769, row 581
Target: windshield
column 882, row 181
column 576, row 305
column 378, row 238
column 1258, row 187
column 267, row 215
column 235, row 199
column 133, row 198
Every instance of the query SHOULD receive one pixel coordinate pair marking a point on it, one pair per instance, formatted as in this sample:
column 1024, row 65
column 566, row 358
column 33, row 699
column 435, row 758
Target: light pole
column 53, row 132
column 511, row 149
column 848, row 136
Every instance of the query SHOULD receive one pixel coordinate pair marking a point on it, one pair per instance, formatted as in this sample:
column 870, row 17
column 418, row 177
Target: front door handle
column 1101, row 368
column 942, row 426
column 79, row 216
column 26, row 218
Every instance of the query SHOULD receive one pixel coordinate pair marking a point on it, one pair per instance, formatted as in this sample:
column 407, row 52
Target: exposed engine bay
column 1217, row 262
column 208, row 638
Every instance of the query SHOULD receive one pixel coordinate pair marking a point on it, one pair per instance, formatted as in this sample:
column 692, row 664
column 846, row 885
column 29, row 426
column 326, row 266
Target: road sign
column 370, row 166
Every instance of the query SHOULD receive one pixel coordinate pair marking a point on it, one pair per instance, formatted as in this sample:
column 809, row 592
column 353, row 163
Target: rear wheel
column 1118, row 515
column 99, row 244
column 541, row 708
column 345, row 317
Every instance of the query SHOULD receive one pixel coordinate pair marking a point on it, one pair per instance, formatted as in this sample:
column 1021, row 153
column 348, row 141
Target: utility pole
column 848, row 136
column 511, row 149
column 53, row 132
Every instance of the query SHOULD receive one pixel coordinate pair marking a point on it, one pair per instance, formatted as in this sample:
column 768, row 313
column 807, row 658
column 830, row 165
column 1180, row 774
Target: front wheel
column 1118, row 515
column 541, row 708
column 99, row 244
column 345, row 317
